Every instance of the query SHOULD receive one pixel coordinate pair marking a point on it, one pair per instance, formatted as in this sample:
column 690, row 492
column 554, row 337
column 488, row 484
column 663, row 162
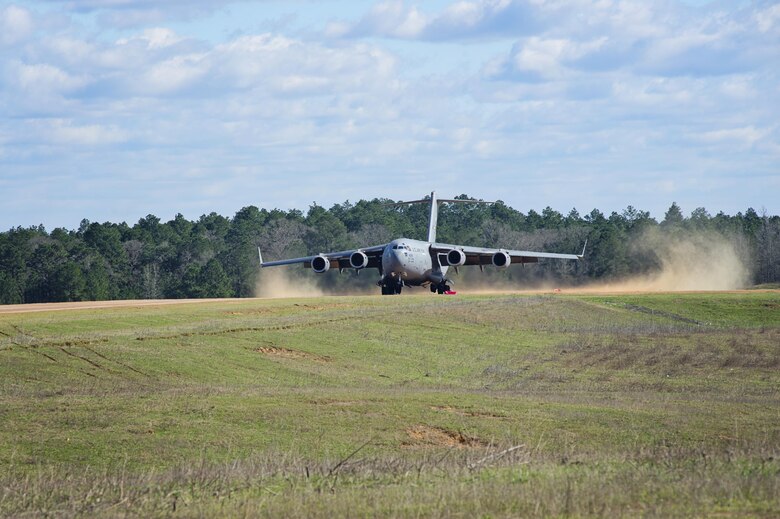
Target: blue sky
column 114, row 109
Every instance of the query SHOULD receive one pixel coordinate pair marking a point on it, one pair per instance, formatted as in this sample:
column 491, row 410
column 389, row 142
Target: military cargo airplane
column 406, row 262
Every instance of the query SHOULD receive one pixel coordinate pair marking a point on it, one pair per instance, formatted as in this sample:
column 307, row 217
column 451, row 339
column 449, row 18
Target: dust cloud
column 280, row 283
column 687, row 263
column 277, row 284
column 698, row 262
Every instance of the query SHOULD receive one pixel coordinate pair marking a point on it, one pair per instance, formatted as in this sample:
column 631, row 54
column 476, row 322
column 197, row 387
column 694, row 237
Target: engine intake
column 502, row 260
column 456, row 258
column 320, row 264
column 358, row 260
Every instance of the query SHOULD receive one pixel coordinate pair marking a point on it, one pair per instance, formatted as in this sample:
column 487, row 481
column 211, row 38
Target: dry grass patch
column 275, row 351
column 673, row 351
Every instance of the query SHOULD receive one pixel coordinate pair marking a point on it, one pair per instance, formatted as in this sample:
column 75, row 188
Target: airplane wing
column 484, row 256
column 340, row 259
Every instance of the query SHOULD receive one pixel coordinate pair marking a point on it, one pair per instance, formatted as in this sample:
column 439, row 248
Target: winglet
column 260, row 255
column 579, row 256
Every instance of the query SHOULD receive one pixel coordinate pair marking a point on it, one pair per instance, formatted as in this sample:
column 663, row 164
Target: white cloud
column 388, row 18
column 547, row 57
column 650, row 37
column 462, row 19
column 285, row 65
column 741, row 137
column 655, row 93
column 43, row 78
column 16, row 24
column 154, row 38
column 65, row 132
column 172, row 75
column 738, row 87
column 768, row 19
column 137, row 13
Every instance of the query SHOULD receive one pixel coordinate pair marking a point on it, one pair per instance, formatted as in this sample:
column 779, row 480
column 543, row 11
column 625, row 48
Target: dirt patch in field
column 275, row 351
column 426, row 436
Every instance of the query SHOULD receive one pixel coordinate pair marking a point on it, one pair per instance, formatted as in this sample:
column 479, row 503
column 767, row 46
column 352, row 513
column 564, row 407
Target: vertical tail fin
column 434, row 202
column 434, row 218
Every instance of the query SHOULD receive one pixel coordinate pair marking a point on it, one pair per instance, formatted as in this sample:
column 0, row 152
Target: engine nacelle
column 320, row 264
column 358, row 260
column 502, row 260
column 456, row 258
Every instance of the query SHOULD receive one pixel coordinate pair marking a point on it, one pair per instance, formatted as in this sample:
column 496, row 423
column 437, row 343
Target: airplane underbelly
column 415, row 275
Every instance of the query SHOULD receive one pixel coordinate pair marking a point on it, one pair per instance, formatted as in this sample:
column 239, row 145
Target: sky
column 111, row 110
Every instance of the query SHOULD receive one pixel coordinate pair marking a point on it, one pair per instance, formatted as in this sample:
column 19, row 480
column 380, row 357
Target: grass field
column 655, row 405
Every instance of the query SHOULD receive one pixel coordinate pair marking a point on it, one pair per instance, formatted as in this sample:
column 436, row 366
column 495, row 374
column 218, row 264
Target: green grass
column 652, row 405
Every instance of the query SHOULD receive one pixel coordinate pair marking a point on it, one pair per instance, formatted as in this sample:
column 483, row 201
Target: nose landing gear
column 391, row 286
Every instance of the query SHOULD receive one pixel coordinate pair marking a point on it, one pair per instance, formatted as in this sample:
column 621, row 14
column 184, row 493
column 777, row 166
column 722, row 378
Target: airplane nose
column 394, row 260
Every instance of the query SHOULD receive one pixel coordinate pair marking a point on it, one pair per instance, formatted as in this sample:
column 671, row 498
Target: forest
column 216, row 256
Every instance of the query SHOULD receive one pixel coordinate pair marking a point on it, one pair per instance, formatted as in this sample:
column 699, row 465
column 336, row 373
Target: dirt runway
column 96, row 305
column 139, row 303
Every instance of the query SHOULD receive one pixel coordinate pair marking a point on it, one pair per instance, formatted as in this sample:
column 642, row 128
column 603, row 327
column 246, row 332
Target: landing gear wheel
column 391, row 287
column 440, row 289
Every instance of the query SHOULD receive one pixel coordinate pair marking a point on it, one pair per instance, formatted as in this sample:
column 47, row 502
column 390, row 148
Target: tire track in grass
column 32, row 347
column 126, row 366
column 88, row 361
column 273, row 328
column 662, row 313
column 46, row 355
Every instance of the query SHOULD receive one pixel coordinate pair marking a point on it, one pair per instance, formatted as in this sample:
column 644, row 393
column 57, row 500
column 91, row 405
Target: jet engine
column 358, row 260
column 502, row 259
column 320, row 264
column 456, row 258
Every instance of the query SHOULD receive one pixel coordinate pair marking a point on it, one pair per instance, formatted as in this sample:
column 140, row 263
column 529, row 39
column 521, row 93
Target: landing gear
column 391, row 286
column 441, row 288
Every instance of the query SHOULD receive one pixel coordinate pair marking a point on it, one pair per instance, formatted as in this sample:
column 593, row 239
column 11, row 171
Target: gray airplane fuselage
column 411, row 261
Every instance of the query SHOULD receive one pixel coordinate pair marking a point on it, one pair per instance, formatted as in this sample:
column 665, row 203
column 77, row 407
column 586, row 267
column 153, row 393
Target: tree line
column 216, row 256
